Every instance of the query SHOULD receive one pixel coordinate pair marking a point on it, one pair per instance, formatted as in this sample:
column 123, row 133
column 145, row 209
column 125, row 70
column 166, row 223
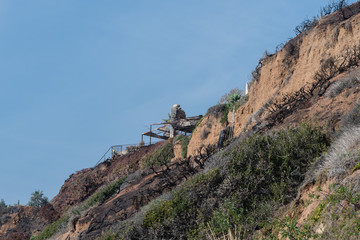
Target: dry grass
column 341, row 158
column 231, row 235
column 350, row 80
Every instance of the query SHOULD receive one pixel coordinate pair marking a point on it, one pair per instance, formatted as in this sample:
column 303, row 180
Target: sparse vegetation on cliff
column 228, row 102
column 266, row 184
column 184, row 144
column 53, row 228
column 2, row 207
column 160, row 156
column 97, row 198
column 256, row 176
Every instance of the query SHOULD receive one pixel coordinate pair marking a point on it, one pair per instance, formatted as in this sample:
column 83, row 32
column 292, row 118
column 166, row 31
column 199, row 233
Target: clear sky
column 78, row 76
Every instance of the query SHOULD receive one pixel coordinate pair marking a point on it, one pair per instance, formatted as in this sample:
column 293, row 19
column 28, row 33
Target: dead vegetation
column 350, row 80
column 282, row 107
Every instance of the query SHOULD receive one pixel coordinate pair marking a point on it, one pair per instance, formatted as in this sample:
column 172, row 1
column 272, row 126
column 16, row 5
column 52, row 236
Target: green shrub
column 290, row 230
column 234, row 103
column 337, row 215
column 232, row 100
column 109, row 236
column 258, row 175
column 184, row 144
column 106, row 192
column 357, row 167
column 53, row 228
column 100, row 196
column 343, row 205
column 95, row 199
column 182, row 205
column 233, row 96
column 160, row 156
column 37, row 199
column 197, row 124
column 2, row 206
column 263, row 172
column 275, row 164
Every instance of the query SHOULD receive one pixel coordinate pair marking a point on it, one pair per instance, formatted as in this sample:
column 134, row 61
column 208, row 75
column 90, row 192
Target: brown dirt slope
column 82, row 184
column 139, row 189
column 23, row 221
column 282, row 74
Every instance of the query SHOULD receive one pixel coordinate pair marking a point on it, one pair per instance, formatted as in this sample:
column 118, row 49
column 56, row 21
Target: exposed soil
column 82, row 184
column 285, row 72
column 25, row 221
column 140, row 191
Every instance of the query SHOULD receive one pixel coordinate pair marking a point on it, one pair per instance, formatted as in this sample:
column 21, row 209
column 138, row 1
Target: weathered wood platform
column 186, row 125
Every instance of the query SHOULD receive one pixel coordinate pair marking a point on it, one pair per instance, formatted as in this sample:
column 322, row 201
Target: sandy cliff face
column 288, row 70
column 285, row 72
column 206, row 133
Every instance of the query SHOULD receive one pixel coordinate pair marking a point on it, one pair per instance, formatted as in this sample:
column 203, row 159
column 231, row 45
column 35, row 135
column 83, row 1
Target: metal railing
column 117, row 150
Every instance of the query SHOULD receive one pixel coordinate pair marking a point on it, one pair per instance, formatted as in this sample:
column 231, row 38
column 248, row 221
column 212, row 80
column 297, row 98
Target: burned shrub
column 279, row 47
column 291, row 50
column 305, row 25
column 330, row 67
column 205, row 133
column 255, row 75
column 333, row 7
column 216, row 110
column 348, row 27
column 327, row 70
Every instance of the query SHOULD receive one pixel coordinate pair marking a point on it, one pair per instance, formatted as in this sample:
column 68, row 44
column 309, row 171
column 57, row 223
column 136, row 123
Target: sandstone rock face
column 206, row 133
column 288, row 70
column 177, row 150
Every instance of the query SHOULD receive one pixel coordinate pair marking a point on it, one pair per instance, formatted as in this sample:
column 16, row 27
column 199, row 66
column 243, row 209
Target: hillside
column 290, row 171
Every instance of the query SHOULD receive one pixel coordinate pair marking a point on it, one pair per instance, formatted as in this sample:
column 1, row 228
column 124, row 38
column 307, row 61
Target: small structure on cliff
column 177, row 123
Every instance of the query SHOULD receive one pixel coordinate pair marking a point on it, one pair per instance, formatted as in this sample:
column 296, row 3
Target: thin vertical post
column 150, row 133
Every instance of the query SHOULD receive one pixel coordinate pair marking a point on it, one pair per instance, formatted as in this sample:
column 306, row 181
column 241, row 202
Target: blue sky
column 78, row 76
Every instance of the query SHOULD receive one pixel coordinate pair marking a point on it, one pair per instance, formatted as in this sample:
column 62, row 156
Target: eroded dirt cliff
column 287, row 91
column 287, row 71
